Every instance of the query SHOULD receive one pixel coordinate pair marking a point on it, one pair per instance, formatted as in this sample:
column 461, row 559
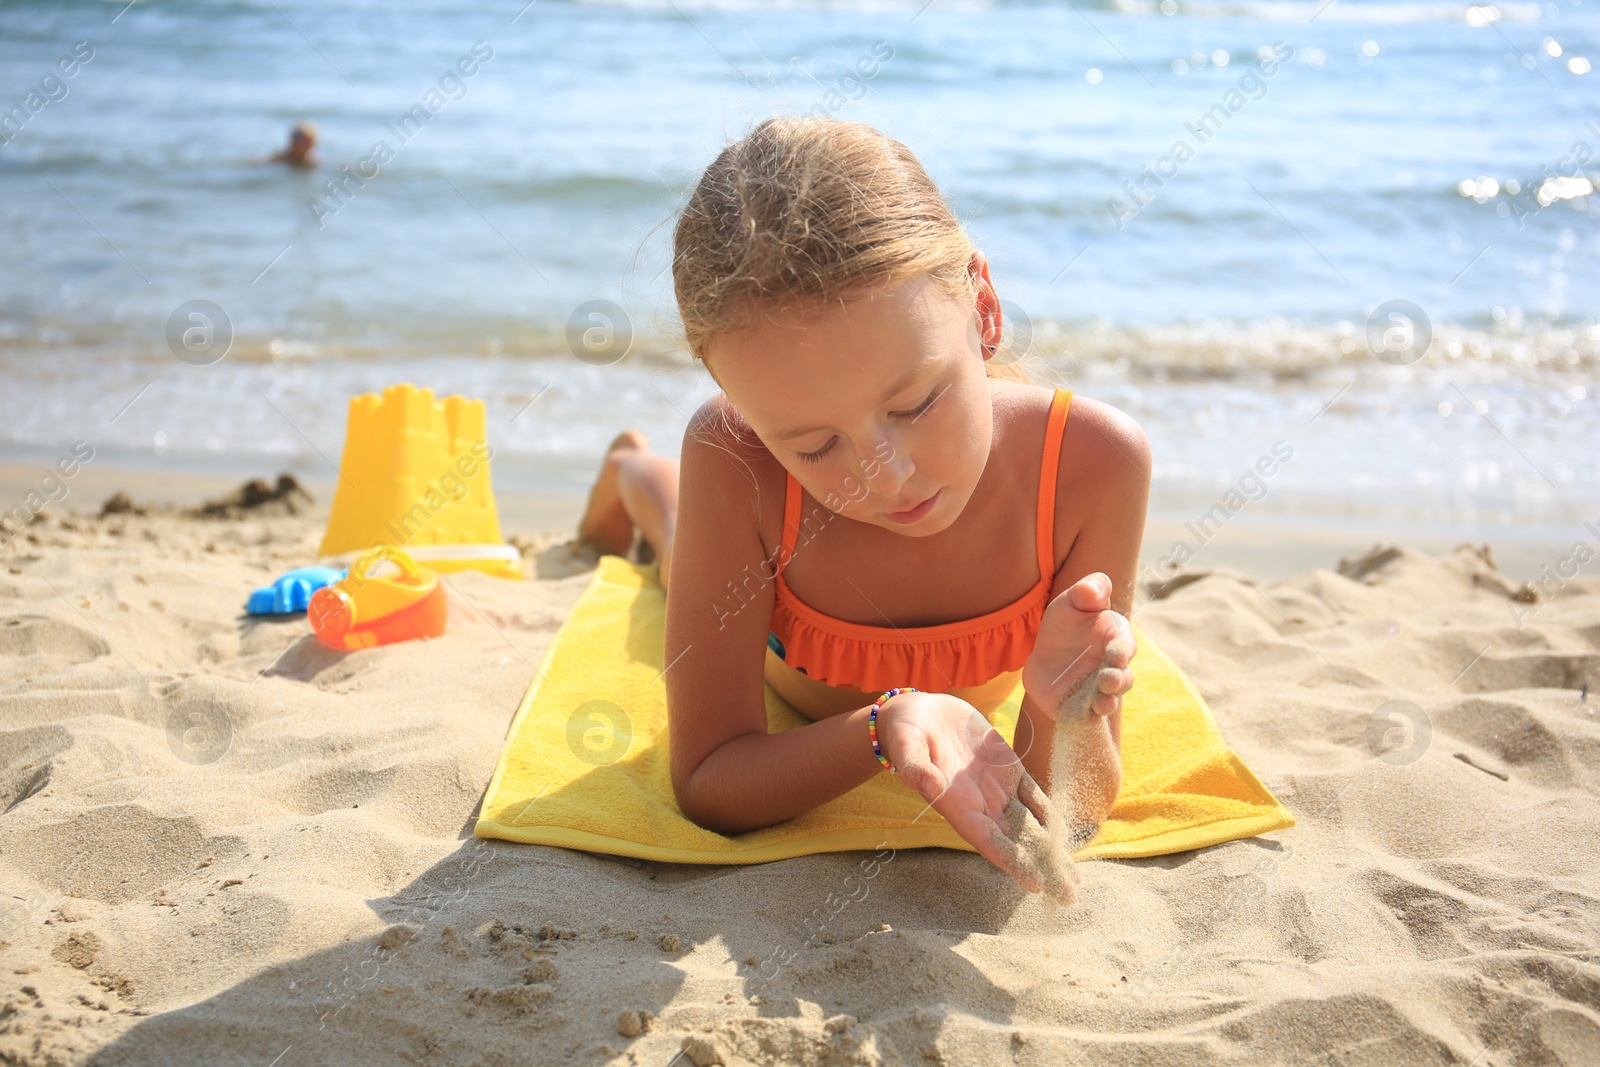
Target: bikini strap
column 1046, row 520
column 791, row 521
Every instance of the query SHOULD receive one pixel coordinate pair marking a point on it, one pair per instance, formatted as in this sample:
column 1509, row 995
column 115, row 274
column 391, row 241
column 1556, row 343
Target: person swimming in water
column 297, row 153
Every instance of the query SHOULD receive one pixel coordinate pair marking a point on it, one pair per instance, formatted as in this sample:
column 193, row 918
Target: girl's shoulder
column 1103, row 454
column 717, row 425
column 1094, row 432
column 1102, row 444
column 1103, row 483
column 724, row 460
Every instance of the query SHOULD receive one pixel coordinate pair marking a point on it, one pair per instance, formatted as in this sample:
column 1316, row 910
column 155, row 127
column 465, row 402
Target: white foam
column 1303, row 11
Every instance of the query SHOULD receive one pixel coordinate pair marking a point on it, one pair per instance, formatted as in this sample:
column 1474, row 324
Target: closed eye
column 922, row 409
column 816, row 457
column 916, row 413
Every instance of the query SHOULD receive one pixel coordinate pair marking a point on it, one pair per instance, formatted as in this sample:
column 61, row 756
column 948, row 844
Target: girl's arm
column 729, row 774
column 1103, row 493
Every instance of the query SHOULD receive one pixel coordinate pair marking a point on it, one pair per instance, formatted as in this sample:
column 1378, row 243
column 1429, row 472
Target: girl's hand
column 946, row 750
column 1083, row 649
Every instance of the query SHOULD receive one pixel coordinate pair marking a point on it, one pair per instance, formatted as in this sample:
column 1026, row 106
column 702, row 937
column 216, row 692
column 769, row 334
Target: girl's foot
column 606, row 521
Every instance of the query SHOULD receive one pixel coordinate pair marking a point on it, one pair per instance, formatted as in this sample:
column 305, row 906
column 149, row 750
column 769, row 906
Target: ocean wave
column 1294, row 11
column 1284, row 349
column 1277, row 348
column 910, row 7
column 1304, row 11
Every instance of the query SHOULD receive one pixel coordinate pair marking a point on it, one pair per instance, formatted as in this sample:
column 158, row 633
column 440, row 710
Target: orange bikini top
column 932, row 658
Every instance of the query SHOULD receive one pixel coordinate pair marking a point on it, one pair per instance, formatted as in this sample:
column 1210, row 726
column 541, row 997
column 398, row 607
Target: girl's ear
column 988, row 309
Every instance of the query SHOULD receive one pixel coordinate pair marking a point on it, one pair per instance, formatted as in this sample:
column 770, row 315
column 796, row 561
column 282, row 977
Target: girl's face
column 879, row 406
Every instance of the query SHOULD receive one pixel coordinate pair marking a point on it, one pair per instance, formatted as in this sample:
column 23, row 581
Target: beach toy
column 415, row 475
column 364, row 610
column 290, row 594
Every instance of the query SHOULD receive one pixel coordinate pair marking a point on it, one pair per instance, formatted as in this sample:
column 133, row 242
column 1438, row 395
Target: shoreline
column 1266, row 544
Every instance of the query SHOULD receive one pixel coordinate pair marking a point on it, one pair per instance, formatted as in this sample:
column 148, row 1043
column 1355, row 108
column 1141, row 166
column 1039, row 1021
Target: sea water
column 1362, row 234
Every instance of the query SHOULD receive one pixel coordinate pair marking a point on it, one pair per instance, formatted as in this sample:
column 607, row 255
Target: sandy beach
column 223, row 844
column 1338, row 262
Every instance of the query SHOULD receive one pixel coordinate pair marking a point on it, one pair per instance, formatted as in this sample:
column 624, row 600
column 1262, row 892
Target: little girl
column 877, row 520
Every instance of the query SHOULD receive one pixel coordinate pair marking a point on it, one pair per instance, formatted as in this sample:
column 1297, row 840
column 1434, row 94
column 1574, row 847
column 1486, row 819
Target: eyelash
column 821, row 454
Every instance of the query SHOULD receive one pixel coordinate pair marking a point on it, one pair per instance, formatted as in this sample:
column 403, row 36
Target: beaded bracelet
column 872, row 725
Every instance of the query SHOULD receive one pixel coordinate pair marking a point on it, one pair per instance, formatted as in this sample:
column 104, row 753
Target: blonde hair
column 805, row 210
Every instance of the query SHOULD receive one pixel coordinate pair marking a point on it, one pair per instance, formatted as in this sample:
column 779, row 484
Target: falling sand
column 1046, row 850
column 1043, row 851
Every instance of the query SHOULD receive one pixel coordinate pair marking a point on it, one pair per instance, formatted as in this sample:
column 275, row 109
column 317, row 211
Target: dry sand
column 225, row 845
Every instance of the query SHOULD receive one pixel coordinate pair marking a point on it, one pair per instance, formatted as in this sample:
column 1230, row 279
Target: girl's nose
column 887, row 469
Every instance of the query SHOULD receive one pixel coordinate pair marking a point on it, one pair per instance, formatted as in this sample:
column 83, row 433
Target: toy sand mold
column 415, row 475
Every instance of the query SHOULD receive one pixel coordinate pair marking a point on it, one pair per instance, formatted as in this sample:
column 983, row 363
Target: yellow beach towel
column 585, row 762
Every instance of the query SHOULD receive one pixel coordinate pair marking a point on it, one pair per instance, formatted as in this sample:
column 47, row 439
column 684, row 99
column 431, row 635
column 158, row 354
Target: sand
column 222, row 844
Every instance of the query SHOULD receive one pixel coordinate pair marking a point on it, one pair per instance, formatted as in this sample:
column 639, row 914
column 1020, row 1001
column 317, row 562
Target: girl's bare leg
column 635, row 488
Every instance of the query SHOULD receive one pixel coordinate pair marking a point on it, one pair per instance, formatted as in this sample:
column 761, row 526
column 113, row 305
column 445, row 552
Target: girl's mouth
column 911, row 515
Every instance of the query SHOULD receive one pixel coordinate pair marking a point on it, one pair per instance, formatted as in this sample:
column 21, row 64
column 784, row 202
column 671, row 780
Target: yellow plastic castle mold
column 415, row 475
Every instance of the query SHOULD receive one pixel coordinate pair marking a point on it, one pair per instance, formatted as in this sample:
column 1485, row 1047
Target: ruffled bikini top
column 932, row 658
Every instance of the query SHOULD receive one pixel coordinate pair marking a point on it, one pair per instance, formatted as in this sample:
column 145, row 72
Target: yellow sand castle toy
column 415, row 475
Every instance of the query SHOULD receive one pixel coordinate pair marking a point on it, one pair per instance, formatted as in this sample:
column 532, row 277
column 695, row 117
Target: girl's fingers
column 924, row 777
column 995, row 795
column 1092, row 592
column 1003, row 852
column 1113, row 680
column 916, row 767
column 1120, row 649
column 1036, row 800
